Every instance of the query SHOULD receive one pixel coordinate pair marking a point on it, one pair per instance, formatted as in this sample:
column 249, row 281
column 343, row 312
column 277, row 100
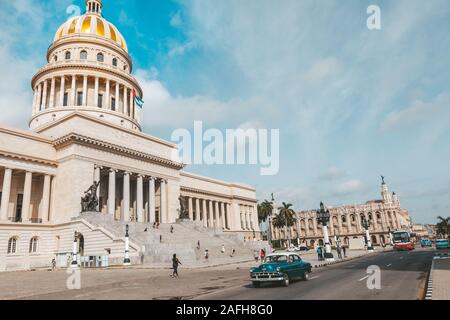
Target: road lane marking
column 364, row 278
column 315, row 277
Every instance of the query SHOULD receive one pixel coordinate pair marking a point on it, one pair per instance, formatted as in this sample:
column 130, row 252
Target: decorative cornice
column 215, row 194
column 28, row 158
column 85, row 66
column 100, row 144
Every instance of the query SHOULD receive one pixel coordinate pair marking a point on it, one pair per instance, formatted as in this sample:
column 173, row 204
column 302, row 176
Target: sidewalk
column 439, row 283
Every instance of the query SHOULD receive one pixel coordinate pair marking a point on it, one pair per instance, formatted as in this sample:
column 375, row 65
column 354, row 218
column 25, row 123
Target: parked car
column 442, row 244
column 282, row 268
column 426, row 243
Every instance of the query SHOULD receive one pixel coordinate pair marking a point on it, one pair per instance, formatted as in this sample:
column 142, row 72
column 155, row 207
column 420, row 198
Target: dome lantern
column 94, row 7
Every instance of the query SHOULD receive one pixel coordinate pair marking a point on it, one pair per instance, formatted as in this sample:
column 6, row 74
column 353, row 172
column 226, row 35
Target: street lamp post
column 366, row 225
column 75, row 251
column 323, row 217
column 126, row 260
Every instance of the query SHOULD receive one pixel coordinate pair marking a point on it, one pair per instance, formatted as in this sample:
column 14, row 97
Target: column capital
column 98, row 167
column 113, row 170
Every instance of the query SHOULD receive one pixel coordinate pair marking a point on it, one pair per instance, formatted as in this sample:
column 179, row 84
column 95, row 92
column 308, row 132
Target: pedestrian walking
column 198, row 245
column 160, row 238
column 171, row 229
column 319, row 253
column 175, row 264
column 233, row 252
column 263, row 255
column 344, row 248
column 53, row 264
column 256, row 256
column 223, row 249
column 206, row 254
column 339, row 252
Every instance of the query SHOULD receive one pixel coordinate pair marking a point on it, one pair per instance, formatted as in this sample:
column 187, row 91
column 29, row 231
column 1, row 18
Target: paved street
column 403, row 277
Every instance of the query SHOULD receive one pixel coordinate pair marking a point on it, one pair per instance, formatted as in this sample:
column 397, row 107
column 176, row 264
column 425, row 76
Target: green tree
column 285, row 218
column 443, row 227
column 265, row 209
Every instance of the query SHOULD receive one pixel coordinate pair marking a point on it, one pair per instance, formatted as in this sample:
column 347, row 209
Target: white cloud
column 419, row 111
column 175, row 20
column 322, row 71
column 332, row 173
column 348, row 187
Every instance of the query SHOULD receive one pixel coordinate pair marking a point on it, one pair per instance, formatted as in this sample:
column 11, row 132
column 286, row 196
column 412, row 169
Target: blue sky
column 351, row 104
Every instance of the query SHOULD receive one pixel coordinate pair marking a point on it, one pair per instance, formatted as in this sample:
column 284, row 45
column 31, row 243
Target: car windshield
column 280, row 258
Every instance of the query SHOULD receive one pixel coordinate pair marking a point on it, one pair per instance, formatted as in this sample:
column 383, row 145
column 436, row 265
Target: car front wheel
column 306, row 275
column 286, row 281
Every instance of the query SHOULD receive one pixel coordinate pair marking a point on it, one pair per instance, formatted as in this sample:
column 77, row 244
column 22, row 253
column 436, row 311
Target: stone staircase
column 183, row 242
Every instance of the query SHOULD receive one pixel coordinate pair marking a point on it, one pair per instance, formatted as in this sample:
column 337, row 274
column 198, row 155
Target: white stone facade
column 85, row 127
column 385, row 216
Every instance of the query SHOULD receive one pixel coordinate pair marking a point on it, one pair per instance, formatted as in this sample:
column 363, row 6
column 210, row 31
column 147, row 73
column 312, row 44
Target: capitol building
column 85, row 128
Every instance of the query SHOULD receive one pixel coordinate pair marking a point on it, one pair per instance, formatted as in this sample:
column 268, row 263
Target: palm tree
column 265, row 209
column 286, row 218
column 443, row 227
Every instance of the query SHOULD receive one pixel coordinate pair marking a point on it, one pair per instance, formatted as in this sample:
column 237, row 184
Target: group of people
column 259, row 255
column 341, row 252
column 156, row 225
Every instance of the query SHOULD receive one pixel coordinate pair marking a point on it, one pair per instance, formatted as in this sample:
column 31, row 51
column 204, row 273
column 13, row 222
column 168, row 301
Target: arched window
column 33, row 245
column 344, row 219
column 56, row 58
column 353, row 218
column 100, row 57
column 370, row 216
column 83, row 55
column 378, row 216
column 12, row 245
column 114, row 62
column 68, row 55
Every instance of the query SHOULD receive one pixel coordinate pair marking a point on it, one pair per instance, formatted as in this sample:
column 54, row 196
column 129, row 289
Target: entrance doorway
column 19, row 207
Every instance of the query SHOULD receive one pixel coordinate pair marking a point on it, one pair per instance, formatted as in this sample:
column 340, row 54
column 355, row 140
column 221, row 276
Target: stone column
column 210, row 215
column 44, row 96
column 74, row 91
column 96, row 92
column 197, row 209
column 26, row 214
column 43, row 214
column 117, row 96
column 255, row 217
column 349, row 223
column 130, row 106
column 163, row 210
column 229, row 218
column 112, row 193
column 35, row 95
column 191, row 209
column 151, row 199
column 383, row 221
column 204, row 214
column 85, row 80
column 107, row 95
column 52, row 93
column 125, row 100
column 97, row 171
column 62, row 91
column 126, row 197
column 38, row 102
column 140, row 199
column 217, row 220
column 6, row 192
column 222, row 213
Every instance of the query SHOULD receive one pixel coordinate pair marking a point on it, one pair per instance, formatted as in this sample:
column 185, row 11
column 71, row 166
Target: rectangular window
column 79, row 98
column 19, row 204
column 113, row 104
column 100, row 101
column 66, row 99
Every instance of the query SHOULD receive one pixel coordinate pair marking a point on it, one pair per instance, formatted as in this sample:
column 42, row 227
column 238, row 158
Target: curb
column 429, row 294
column 338, row 261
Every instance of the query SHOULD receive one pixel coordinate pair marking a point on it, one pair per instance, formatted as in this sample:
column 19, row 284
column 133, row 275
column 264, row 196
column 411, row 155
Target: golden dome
column 93, row 25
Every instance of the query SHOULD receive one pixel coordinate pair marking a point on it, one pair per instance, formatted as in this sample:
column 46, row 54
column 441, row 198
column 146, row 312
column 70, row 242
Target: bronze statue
column 89, row 201
column 184, row 210
column 382, row 178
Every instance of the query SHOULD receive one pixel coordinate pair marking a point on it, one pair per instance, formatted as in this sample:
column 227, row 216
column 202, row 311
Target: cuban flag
column 139, row 102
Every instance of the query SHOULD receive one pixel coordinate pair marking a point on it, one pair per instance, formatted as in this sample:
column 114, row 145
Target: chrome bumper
column 266, row 277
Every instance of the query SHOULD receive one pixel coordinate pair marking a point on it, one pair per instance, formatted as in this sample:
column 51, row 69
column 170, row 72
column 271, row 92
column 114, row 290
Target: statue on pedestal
column 184, row 210
column 89, row 202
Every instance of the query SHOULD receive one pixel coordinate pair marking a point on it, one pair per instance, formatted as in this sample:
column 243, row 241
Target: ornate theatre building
column 85, row 129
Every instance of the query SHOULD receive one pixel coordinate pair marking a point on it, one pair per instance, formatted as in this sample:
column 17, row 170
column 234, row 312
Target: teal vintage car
column 282, row 268
column 442, row 244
